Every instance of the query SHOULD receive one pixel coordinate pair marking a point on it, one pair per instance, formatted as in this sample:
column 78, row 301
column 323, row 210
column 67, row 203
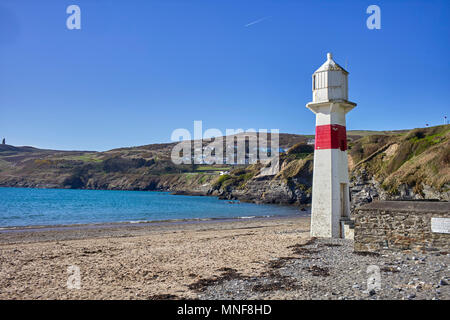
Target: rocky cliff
column 411, row 166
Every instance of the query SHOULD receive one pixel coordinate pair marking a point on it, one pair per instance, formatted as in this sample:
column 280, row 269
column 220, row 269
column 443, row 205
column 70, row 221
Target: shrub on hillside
column 119, row 164
column 301, row 148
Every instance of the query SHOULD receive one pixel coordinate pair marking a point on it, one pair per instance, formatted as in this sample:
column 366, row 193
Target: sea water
column 37, row 207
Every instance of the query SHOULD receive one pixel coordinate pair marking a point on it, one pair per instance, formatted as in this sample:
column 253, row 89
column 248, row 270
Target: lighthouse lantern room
column 330, row 215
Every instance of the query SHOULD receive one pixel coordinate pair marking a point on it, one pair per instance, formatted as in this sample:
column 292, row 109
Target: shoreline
column 36, row 234
column 143, row 222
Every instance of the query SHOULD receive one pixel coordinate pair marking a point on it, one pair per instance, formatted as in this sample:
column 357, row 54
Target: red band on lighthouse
column 331, row 136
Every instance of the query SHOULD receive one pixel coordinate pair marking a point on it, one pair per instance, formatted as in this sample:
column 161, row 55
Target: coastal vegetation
column 417, row 159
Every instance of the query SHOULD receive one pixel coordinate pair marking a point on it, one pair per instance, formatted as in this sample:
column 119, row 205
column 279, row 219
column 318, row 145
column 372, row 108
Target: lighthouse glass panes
column 330, row 82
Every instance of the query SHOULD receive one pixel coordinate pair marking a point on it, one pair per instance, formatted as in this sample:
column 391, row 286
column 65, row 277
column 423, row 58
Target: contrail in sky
column 256, row 21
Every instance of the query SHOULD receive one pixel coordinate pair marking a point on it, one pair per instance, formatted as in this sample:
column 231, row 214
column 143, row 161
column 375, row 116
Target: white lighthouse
column 330, row 194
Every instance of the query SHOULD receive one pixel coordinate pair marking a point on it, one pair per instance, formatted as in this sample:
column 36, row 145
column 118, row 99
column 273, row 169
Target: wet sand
column 139, row 261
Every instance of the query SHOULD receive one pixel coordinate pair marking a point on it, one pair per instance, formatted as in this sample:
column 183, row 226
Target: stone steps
column 348, row 226
column 349, row 222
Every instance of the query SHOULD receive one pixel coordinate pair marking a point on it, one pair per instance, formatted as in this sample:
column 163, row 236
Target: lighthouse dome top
column 330, row 82
column 330, row 65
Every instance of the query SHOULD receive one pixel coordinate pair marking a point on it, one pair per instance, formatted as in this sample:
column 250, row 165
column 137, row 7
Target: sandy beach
column 141, row 261
column 259, row 258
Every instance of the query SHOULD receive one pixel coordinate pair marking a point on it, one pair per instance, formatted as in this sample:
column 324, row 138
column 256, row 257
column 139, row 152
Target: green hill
column 385, row 162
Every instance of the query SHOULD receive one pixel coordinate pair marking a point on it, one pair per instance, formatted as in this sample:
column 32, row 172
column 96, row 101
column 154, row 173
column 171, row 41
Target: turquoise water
column 36, row 207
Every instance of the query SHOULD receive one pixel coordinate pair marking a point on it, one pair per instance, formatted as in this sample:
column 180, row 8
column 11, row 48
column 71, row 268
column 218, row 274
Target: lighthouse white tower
column 330, row 192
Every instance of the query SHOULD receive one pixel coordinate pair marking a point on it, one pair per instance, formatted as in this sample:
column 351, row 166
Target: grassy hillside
column 415, row 157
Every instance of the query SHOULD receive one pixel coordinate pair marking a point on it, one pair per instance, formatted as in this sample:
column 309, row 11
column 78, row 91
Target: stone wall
column 400, row 225
column 365, row 189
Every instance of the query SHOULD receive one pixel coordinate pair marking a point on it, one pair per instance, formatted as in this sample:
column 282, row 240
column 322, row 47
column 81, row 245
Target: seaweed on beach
column 274, row 286
column 164, row 297
column 280, row 262
column 88, row 251
column 366, row 253
column 202, row 284
column 318, row 271
column 226, row 269
column 310, row 241
column 228, row 274
column 298, row 249
column 231, row 274
column 276, row 281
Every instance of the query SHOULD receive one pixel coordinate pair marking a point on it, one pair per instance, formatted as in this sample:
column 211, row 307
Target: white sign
column 440, row 225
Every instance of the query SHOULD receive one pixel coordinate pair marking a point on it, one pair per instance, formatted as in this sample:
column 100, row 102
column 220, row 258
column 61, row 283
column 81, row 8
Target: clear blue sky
column 137, row 70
